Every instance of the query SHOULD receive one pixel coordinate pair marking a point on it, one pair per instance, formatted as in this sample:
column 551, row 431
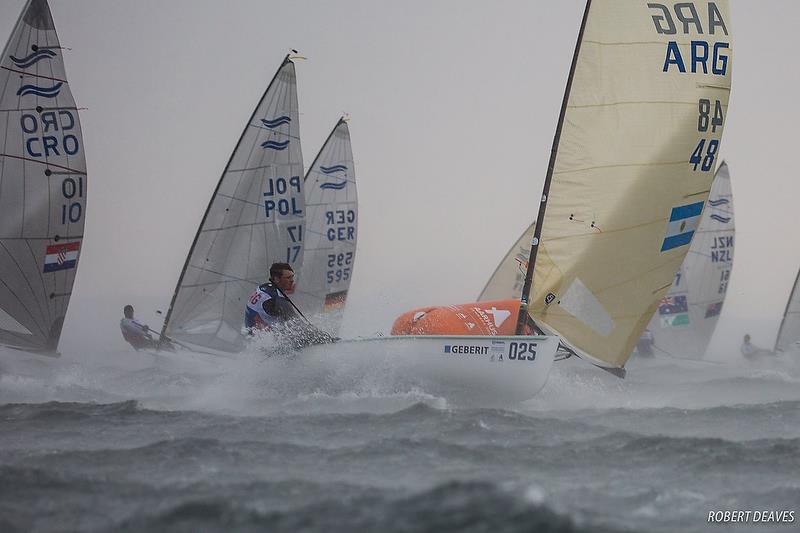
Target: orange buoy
column 497, row 317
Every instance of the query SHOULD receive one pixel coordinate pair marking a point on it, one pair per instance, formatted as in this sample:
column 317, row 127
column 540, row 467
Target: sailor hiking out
column 270, row 309
column 133, row 331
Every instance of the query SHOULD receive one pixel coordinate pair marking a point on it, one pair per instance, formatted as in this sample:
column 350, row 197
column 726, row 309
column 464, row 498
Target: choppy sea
column 127, row 441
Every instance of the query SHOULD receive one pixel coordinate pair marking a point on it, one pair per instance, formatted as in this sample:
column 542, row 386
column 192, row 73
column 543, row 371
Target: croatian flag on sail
column 683, row 222
column 61, row 256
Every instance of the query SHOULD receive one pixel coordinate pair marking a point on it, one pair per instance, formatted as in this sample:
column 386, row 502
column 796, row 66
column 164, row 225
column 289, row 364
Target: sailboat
column 688, row 314
column 789, row 333
column 630, row 171
column 331, row 227
column 255, row 217
column 43, row 185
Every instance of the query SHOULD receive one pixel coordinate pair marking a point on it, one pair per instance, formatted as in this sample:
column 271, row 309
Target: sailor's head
column 282, row 276
column 128, row 310
column 746, row 337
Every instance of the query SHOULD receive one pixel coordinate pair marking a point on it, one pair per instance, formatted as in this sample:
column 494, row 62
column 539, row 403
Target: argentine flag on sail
column 682, row 224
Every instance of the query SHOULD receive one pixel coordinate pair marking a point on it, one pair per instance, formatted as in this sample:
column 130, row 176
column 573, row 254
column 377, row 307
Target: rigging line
column 44, row 108
column 31, row 75
column 248, row 202
column 39, row 238
column 637, row 102
column 41, row 163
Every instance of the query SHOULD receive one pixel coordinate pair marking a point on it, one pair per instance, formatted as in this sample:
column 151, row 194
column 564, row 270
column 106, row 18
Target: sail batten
column 598, row 264
column 251, row 222
column 43, row 185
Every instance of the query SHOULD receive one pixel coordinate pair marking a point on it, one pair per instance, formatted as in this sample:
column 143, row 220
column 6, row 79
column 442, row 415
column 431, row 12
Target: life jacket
column 254, row 314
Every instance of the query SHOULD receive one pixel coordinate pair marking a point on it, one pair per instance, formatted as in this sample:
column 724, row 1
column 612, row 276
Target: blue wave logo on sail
column 333, row 186
column 333, row 169
column 35, row 57
column 275, row 122
column 719, row 218
column 718, row 202
column 45, row 92
column 275, row 145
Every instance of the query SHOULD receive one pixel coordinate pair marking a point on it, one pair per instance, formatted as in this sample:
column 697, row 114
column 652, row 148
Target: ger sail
column 687, row 315
column 631, row 167
column 42, row 185
column 789, row 332
column 331, row 227
column 255, row 218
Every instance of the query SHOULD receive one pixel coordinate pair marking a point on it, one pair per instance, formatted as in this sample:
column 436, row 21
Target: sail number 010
column 73, row 210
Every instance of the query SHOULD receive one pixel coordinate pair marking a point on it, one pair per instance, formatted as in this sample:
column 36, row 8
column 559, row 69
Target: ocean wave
column 67, row 410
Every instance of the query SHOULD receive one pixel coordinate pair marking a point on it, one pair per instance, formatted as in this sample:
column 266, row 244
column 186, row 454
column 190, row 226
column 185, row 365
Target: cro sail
column 43, row 185
column 687, row 315
column 331, row 228
column 630, row 170
column 255, row 218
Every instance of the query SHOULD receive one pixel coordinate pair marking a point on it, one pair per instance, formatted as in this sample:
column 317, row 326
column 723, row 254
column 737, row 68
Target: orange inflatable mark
column 498, row 317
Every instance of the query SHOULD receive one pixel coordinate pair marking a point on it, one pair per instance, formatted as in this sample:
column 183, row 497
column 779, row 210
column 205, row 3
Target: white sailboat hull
column 480, row 370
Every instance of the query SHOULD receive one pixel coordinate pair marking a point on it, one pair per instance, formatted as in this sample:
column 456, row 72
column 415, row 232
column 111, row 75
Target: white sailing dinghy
column 789, row 333
column 629, row 174
column 687, row 316
column 331, row 231
column 255, row 217
column 43, row 185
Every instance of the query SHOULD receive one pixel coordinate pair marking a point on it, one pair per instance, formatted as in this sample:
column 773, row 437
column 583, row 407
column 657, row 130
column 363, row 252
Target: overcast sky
column 453, row 104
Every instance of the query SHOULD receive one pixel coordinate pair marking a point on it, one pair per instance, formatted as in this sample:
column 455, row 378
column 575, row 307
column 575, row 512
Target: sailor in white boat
column 751, row 351
column 136, row 333
column 269, row 308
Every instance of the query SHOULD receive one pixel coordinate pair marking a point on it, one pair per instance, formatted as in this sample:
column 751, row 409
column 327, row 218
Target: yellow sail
column 634, row 157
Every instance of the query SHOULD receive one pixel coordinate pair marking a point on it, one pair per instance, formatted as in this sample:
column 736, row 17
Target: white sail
column 789, row 333
column 686, row 317
column 255, row 218
column 508, row 278
column 631, row 169
column 42, row 184
column 331, row 228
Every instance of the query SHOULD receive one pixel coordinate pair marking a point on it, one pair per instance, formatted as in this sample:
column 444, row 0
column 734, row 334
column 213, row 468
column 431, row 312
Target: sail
column 509, row 277
column 42, row 184
column 687, row 315
column 331, row 230
column 255, row 218
column 789, row 333
column 630, row 170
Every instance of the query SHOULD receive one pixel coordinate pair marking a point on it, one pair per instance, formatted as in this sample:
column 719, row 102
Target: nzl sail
column 331, row 230
column 255, row 218
column 42, row 185
column 789, row 334
column 630, row 171
column 688, row 314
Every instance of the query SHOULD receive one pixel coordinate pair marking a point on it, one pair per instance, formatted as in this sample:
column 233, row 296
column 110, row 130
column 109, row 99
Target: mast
column 537, row 232
column 213, row 196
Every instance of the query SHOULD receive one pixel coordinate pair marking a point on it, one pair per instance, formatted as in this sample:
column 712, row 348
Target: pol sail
column 255, row 218
column 331, row 230
column 631, row 167
column 42, row 185
column 687, row 315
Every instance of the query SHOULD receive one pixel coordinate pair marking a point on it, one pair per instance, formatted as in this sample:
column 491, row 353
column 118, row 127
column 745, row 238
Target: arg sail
column 255, row 218
column 331, row 228
column 686, row 317
column 630, row 171
column 789, row 333
column 42, row 185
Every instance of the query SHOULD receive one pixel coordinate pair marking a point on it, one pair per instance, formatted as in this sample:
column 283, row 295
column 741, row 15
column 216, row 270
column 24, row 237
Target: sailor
column 269, row 308
column 750, row 351
column 136, row 333
column 645, row 345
